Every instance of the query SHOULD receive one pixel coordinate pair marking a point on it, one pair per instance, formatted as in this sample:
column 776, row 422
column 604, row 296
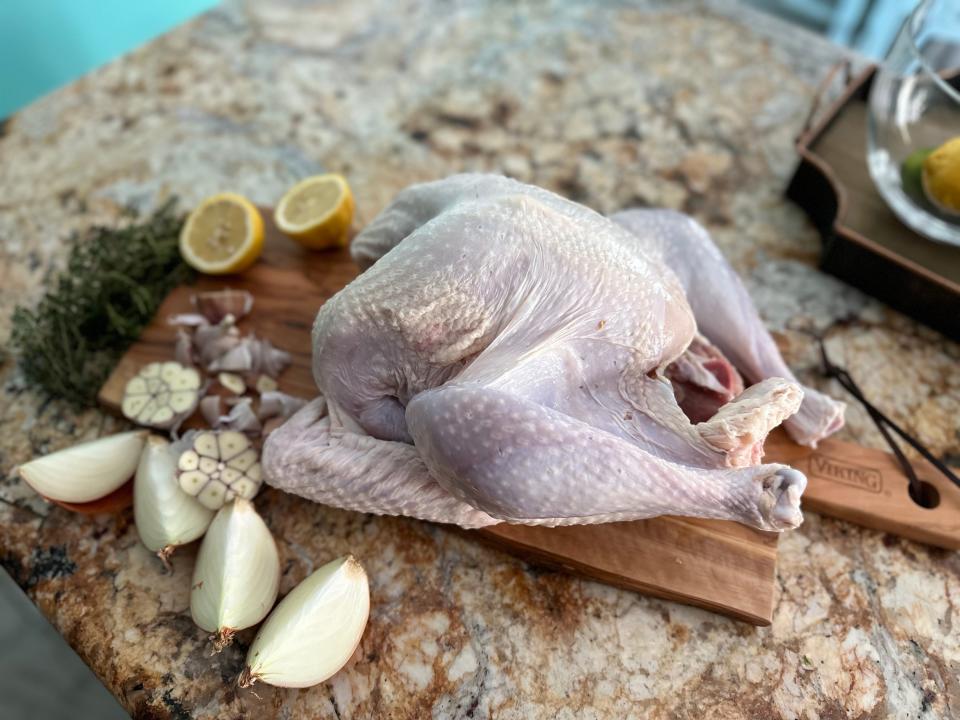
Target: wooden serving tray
column 722, row 566
column 864, row 243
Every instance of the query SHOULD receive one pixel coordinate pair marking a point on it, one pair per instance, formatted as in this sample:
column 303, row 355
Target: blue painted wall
column 868, row 26
column 47, row 43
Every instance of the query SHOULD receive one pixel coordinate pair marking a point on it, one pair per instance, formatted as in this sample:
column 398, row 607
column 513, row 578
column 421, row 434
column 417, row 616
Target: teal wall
column 47, row 43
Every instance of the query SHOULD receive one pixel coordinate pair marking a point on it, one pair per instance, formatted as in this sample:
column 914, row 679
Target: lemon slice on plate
column 223, row 235
column 317, row 212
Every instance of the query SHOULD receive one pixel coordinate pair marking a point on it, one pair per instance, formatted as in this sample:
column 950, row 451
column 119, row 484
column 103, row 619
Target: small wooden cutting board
column 722, row 566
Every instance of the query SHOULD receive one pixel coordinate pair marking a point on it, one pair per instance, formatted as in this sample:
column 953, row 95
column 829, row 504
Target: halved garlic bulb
column 165, row 516
column 218, row 467
column 237, row 575
column 88, row 471
column 161, row 394
column 314, row 630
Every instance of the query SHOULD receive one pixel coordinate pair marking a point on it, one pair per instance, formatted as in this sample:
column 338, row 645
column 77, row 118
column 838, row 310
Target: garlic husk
column 213, row 341
column 183, row 349
column 237, row 575
column 187, row 320
column 241, row 418
column 88, row 471
column 165, row 516
column 274, row 403
column 314, row 630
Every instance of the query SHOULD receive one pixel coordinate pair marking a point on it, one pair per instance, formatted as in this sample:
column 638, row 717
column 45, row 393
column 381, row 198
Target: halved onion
column 88, row 471
column 314, row 630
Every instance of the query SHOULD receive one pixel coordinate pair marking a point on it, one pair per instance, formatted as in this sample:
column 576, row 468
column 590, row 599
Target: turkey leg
column 725, row 313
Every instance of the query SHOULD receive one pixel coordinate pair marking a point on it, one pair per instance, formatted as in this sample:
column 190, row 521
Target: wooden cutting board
column 722, row 566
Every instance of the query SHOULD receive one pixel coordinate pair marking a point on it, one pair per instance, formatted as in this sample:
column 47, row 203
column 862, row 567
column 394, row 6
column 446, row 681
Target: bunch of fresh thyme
column 110, row 288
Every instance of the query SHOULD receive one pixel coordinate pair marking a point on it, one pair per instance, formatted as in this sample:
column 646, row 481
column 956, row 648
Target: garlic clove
column 274, row 360
column 278, row 404
column 217, row 304
column 218, row 466
column 243, row 461
column 213, row 341
column 193, row 481
column 213, row 495
column 206, row 444
column 161, row 395
column 233, row 383
column 88, row 471
column 265, row 383
column 236, row 359
column 165, row 516
column 207, row 465
column 314, row 630
column 210, row 409
column 189, row 460
column 183, row 349
column 237, row 575
column 241, row 417
column 231, row 444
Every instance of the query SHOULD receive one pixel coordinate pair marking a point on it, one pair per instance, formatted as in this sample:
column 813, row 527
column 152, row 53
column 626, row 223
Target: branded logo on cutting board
column 849, row 474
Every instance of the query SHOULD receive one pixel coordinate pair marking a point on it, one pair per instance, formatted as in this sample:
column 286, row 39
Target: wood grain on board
column 718, row 565
column 867, row 487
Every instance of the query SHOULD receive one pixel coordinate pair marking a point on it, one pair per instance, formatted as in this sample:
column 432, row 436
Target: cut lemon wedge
column 317, row 212
column 223, row 235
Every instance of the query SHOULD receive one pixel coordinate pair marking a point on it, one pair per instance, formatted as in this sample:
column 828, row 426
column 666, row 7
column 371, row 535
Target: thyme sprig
column 113, row 281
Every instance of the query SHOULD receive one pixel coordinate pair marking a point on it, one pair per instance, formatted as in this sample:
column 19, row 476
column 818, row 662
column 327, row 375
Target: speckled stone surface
column 691, row 105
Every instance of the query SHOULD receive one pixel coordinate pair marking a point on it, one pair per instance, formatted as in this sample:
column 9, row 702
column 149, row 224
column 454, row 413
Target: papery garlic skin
column 314, row 630
column 237, row 575
column 165, row 515
column 88, row 471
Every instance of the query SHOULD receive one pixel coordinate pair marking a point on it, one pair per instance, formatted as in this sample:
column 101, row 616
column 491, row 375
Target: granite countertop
column 691, row 105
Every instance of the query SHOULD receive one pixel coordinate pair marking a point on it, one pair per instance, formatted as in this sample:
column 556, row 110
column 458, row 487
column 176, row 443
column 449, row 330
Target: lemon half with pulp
column 223, row 235
column 317, row 212
column 941, row 177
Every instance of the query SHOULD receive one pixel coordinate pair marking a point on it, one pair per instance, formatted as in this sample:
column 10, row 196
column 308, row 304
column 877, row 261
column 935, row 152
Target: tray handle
column 841, row 66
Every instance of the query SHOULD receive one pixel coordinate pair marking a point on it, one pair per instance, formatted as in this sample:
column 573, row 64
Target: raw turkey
column 509, row 355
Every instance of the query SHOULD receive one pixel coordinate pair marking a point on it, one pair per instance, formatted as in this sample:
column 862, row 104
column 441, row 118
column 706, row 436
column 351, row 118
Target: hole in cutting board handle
column 929, row 496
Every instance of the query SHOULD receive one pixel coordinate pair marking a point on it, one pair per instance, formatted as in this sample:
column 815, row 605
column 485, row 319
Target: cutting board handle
column 867, row 487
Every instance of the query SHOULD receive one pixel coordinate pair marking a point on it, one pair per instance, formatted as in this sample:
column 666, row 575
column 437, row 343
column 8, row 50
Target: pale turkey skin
column 504, row 360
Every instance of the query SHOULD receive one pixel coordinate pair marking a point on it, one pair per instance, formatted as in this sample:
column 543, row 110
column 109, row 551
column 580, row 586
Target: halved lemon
column 317, row 212
column 223, row 235
column 941, row 177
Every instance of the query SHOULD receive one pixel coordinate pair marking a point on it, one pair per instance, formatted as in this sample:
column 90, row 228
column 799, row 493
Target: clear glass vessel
column 914, row 108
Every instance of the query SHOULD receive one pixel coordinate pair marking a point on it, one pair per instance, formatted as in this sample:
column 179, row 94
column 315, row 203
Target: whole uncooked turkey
column 509, row 355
